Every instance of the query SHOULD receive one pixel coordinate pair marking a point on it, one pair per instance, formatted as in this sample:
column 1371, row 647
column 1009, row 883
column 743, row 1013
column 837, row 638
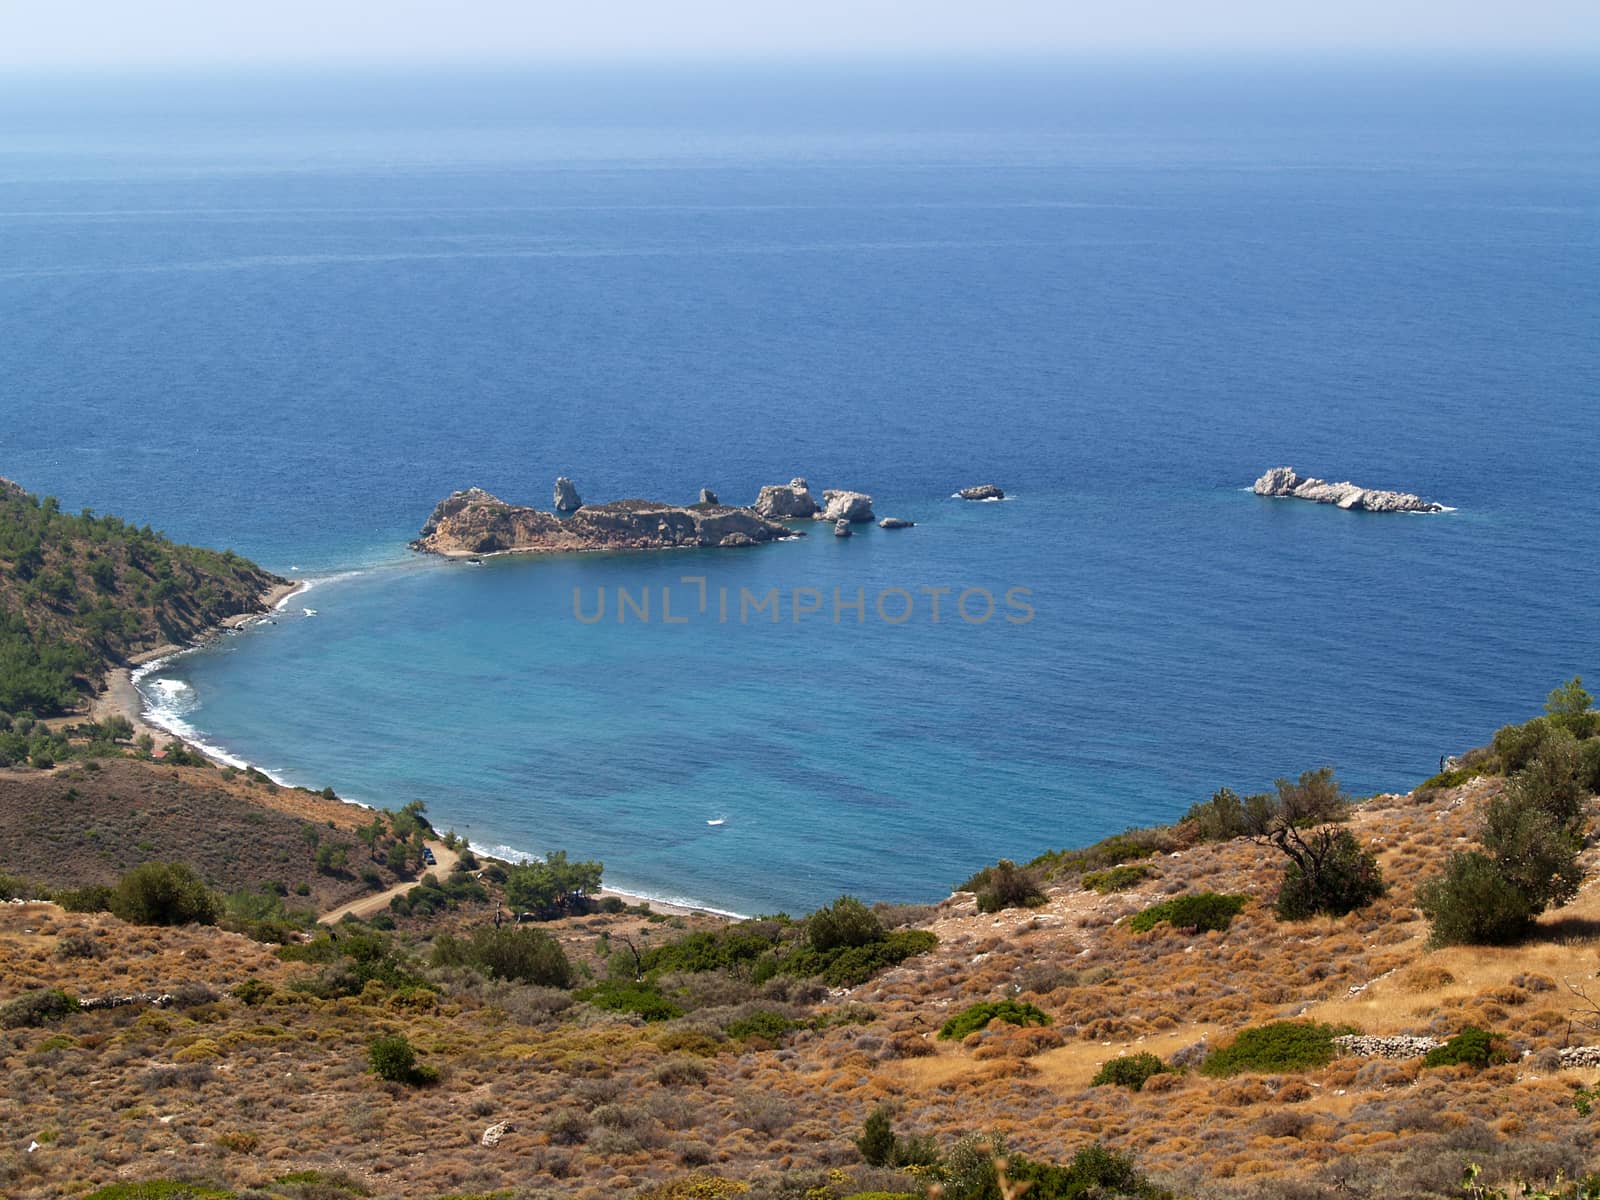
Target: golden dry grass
column 605, row 1105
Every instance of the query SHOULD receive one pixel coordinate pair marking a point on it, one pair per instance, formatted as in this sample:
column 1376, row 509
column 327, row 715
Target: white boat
column 310, row 612
column 717, row 821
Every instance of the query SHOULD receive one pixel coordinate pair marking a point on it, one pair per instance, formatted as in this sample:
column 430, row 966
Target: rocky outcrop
column 895, row 523
column 786, row 502
column 707, row 496
column 473, row 522
column 1283, row 481
column 982, row 491
column 841, row 528
column 493, row 1135
column 845, row 506
column 566, row 499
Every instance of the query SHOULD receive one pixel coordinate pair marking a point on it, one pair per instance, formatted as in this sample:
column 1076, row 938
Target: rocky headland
column 474, row 522
column 1284, row 482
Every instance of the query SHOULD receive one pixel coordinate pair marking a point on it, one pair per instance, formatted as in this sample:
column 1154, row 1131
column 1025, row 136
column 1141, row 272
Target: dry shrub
column 906, row 1045
column 1425, row 977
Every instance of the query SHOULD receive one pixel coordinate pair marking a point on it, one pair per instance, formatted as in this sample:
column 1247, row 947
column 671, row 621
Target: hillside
column 80, row 825
column 758, row 1084
column 82, row 594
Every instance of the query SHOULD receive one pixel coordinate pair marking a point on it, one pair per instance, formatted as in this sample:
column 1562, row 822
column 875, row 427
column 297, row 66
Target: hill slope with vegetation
column 1188, row 1012
column 80, row 594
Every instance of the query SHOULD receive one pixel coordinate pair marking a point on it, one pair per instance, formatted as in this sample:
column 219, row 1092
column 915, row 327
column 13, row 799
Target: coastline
column 121, row 697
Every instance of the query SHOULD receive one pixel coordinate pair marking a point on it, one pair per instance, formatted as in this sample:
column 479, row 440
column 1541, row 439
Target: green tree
column 1569, row 703
column 1474, row 904
column 163, row 893
column 1312, row 799
column 1328, row 872
column 556, row 887
column 844, row 923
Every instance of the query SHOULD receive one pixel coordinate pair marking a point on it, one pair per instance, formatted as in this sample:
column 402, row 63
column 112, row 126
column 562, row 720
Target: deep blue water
column 287, row 316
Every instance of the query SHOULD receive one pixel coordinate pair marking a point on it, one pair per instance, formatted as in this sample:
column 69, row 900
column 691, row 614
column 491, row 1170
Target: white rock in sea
column 982, row 491
column 786, row 502
column 895, row 523
column 567, row 499
column 841, row 528
column 846, row 506
column 1283, row 481
column 707, row 496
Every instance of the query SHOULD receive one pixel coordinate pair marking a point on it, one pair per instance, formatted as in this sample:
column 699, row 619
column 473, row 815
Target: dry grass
column 605, row 1105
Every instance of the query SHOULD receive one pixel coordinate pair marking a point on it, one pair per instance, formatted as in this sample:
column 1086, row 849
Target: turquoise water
column 288, row 319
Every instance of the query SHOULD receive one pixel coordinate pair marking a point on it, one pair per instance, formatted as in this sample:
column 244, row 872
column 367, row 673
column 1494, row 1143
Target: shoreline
column 120, row 696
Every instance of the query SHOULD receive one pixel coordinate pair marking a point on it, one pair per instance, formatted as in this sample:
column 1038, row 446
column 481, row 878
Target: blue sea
column 287, row 314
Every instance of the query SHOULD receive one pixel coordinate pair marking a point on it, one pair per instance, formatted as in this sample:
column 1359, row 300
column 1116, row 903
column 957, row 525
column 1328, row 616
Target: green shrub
column 96, row 897
column 1474, row 904
column 735, row 948
column 1280, row 1046
column 1129, row 1071
column 1006, row 885
column 1328, row 872
column 1515, row 745
column 1199, row 912
column 1117, row 879
column 768, row 1025
column 159, row 893
column 13, row 887
column 393, row 1058
column 1472, row 1047
column 1128, row 846
column 1226, row 816
column 1093, row 1173
column 843, row 924
column 854, row 965
column 1452, row 778
column 1570, row 707
column 977, row 1016
column 37, row 1008
column 625, row 996
column 159, row 1190
column 881, row 1148
column 516, row 954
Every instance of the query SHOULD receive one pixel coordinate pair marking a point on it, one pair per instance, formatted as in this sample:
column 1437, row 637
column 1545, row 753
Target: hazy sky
column 47, row 34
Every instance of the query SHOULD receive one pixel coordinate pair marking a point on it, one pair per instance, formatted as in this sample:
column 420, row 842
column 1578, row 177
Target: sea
column 286, row 313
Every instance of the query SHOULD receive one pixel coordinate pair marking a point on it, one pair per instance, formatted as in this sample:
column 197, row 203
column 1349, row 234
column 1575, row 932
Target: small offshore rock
column 895, row 523
column 492, row 1135
column 846, row 506
column 1283, row 481
column 786, row 502
column 981, row 491
column 707, row 496
column 841, row 528
column 567, row 499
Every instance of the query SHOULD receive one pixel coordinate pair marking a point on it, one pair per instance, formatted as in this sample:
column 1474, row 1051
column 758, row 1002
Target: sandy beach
column 119, row 697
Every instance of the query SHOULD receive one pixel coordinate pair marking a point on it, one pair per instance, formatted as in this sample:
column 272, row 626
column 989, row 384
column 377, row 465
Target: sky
column 48, row 35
